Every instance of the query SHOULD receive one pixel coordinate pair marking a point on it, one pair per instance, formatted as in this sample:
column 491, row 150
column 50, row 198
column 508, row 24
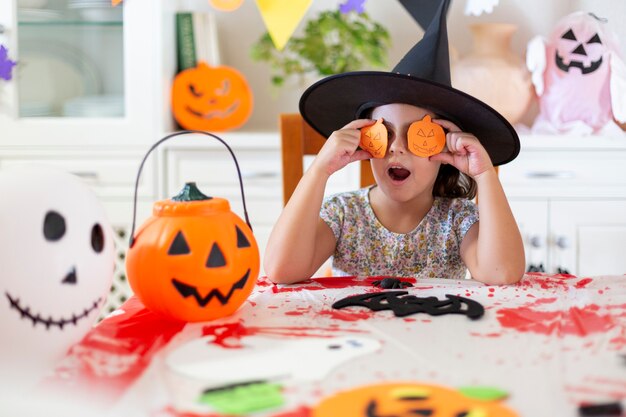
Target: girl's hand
column 464, row 151
column 341, row 147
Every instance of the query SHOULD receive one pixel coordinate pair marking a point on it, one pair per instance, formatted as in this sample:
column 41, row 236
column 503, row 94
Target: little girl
column 417, row 220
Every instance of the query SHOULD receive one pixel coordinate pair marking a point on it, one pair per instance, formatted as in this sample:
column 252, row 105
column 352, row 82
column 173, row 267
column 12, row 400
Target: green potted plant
column 332, row 43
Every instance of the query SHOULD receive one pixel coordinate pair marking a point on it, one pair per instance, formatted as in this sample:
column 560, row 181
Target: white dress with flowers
column 366, row 248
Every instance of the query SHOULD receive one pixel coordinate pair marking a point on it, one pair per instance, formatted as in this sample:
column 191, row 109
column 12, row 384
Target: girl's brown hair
column 452, row 183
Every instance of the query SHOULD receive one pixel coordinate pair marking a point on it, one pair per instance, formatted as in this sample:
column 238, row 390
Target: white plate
column 95, row 106
column 38, row 15
column 54, row 72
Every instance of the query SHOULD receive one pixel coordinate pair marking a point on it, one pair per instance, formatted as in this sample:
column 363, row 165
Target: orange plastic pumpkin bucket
column 193, row 259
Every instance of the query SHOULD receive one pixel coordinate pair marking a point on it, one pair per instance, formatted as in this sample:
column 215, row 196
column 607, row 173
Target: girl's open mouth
column 398, row 173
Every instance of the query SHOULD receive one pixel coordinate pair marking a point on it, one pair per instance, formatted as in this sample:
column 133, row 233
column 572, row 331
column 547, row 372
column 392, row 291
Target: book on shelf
column 196, row 39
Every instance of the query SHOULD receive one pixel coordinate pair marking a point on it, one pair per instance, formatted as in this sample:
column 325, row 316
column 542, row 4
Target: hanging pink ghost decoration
column 579, row 77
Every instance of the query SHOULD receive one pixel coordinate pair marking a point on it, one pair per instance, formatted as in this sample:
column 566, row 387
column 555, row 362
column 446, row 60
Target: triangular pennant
column 281, row 17
column 115, row 2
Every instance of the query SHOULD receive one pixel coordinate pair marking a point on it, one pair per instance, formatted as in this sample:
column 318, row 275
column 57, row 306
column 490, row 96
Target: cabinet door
column 84, row 73
column 588, row 237
column 532, row 219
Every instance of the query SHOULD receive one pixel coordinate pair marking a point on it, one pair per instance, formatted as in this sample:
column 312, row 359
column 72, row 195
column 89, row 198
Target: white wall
column 238, row 30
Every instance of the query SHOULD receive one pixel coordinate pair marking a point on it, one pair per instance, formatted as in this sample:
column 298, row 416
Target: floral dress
column 366, row 248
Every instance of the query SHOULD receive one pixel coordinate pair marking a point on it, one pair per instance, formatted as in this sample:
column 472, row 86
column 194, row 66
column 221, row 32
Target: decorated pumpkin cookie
column 410, row 399
column 374, row 139
column 426, row 138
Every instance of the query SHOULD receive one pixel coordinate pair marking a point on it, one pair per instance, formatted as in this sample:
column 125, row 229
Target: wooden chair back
column 299, row 139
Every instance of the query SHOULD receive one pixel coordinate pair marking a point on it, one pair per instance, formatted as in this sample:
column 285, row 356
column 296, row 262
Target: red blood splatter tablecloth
column 552, row 342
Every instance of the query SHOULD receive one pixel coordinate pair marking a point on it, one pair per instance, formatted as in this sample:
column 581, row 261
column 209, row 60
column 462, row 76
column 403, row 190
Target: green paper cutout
column 242, row 399
column 484, row 393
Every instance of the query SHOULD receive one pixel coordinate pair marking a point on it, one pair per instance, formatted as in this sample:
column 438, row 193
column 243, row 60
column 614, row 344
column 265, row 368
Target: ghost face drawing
column 57, row 257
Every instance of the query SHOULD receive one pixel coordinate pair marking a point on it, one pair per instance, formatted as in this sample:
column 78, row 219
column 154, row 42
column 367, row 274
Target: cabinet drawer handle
column 86, row 175
column 253, row 175
column 551, row 174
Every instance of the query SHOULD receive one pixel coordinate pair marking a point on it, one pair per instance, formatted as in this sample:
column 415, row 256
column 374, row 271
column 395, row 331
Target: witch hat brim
column 422, row 78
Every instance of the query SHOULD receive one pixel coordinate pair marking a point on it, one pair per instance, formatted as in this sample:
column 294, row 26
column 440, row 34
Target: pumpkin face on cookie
column 426, row 138
column 408, row 400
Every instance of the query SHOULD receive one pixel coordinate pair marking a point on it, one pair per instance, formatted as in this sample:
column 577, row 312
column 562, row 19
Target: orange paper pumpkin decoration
column 426, row 138
column 211, row 98
column 194, row 259
column 374, row 139
column 403, row 399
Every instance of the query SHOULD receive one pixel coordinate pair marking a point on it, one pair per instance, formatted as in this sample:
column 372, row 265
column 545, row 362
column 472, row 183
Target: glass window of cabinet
column 71, row 56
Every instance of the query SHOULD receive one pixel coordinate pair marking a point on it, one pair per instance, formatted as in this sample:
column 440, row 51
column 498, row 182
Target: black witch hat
column 421, row 78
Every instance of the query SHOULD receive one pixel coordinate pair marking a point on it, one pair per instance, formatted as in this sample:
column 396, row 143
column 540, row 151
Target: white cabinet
column 589, row 237
column 568, row 195
column 85, row 98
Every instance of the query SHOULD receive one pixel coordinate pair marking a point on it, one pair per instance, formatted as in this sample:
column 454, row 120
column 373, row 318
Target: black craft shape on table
column 391, row 283
column 403, row 304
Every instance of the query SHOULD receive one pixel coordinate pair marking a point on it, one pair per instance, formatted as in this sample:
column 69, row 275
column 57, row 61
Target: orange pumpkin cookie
column 404, row 399
column 211, row 98
column 194, row 259
column 374, row 139
column 426, row 138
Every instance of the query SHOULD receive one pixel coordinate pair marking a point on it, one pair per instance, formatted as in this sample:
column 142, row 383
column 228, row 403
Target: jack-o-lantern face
column 579, row 53
column 57, row 256
column 407, row 400
column 426, row 138
column 580, row 42
column 374, row 139
column 211, row 98
column 193, row 260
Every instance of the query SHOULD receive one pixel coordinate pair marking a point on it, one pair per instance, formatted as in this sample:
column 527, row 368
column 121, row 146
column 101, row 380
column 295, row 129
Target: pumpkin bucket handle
column 154, row 146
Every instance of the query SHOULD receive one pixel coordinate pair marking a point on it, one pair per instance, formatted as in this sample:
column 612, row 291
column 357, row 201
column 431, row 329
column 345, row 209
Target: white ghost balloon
column 57, row 257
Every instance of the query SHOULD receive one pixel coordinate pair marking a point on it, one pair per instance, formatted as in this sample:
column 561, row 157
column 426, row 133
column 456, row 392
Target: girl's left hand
column 463, row 151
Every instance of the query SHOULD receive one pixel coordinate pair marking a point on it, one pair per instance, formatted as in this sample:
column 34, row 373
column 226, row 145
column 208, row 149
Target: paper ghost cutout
column 201, row 366
column 264, row 358
column 578, row 76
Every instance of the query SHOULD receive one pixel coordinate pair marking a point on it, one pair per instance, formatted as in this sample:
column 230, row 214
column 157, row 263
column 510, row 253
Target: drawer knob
column 562, row 175
column 562, row 242
column 535, row 241
column 87, row 175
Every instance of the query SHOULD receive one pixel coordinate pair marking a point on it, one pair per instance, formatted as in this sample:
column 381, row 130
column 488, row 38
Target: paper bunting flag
column 225, row 5
column 352, row 5
column 115, row 2
column 6, row 65
column 281, row 18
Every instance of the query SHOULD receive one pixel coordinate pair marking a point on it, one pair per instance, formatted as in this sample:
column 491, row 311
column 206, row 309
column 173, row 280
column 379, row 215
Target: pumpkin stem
column 190, row 192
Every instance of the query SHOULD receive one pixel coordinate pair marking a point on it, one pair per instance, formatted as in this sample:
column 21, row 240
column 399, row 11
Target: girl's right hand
column 341, row 147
